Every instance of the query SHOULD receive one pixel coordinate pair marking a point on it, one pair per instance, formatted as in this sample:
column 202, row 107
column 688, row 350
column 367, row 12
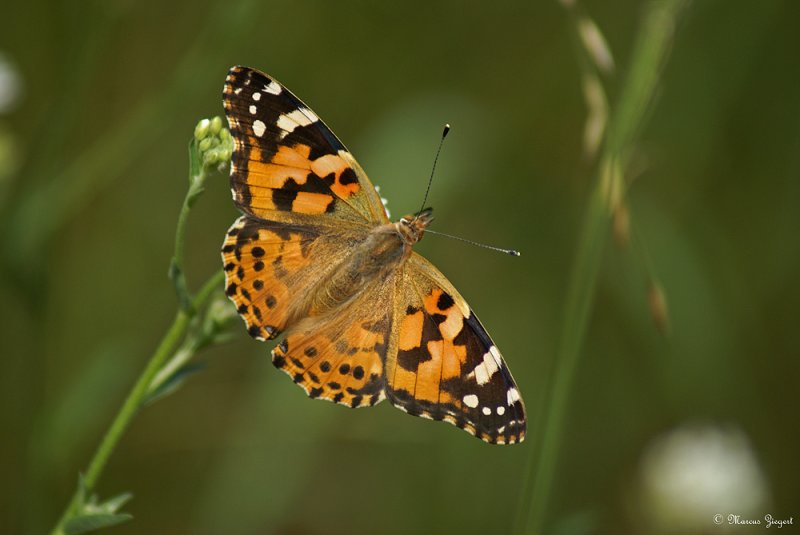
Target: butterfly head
column 412, row 227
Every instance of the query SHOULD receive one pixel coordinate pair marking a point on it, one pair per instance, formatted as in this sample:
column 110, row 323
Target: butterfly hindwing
column 340, row 356
column 444, row 365
column 269, row 266
column 286, row 159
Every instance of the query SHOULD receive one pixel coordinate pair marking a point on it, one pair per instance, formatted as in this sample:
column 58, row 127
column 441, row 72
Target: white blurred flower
column 9, row 84
column 694, row 473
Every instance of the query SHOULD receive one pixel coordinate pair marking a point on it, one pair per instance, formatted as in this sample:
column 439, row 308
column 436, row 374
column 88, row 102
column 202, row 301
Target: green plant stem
column 197, row 175
column 649, row 55
column 578, row 304
column 134, row 400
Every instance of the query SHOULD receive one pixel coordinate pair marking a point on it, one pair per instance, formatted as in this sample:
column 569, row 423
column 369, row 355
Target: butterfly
column 315, row 257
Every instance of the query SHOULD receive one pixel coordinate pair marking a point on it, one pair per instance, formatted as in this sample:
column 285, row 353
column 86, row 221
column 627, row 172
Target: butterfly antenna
column 436, row 159
column 511, row 252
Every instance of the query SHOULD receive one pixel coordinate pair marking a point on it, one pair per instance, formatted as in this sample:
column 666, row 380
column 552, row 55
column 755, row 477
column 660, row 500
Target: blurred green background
column 99, row 100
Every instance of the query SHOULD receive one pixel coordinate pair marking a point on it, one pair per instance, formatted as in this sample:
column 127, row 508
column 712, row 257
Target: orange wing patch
column 427, row 354
column 288, row 163
column 336, row 170
column 450, row 356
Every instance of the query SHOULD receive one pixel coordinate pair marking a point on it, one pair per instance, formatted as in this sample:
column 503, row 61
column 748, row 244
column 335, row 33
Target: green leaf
column 174, row 382
column 91, row 522
column 112, row 505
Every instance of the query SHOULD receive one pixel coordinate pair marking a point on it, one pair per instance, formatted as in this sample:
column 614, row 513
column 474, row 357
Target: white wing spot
column 295, row 119
column 310, row 114
column 471, row 401
column 501, row 410
column 259, row 127
column 512, row 396
column 252, row 109
column 484, row 371
column 256, row 96
column 487, row 411
column 273, row 88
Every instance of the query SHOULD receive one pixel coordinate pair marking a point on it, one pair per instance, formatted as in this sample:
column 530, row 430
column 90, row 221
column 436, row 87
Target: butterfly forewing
column 287, row 160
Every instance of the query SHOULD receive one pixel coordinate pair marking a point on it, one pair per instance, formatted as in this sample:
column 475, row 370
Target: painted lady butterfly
column 315, row 256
